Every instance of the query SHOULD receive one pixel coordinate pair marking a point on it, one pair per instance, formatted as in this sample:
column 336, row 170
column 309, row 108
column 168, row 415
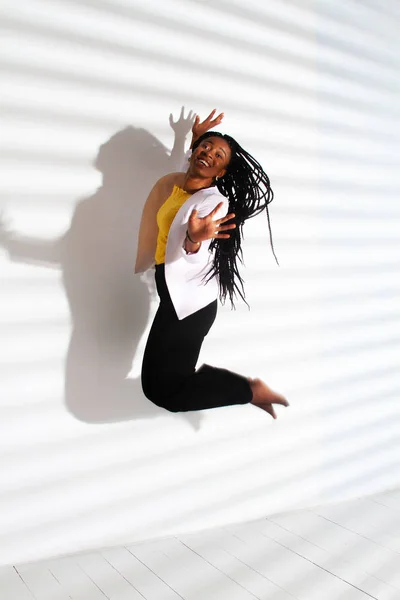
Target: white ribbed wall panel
column 311, row 88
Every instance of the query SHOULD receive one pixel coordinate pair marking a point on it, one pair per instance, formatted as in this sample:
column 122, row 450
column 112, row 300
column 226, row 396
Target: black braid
column 247, row 187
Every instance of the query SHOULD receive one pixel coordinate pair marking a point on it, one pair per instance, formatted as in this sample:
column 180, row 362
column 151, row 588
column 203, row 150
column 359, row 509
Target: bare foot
column 264, row 397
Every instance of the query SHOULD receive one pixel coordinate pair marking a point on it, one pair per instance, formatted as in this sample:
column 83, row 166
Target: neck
column 193, row 184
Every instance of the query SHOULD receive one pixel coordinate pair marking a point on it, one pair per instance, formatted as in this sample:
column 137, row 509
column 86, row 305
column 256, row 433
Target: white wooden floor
column 349, row 551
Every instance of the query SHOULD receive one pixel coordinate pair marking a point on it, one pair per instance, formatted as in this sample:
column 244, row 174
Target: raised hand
column 202, row 127
column 205, row 228
column 183, row 125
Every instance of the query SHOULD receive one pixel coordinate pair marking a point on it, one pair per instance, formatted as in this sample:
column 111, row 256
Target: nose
column 208, row 153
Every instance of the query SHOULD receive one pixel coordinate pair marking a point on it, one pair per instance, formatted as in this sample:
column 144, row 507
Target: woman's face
column 211, row 158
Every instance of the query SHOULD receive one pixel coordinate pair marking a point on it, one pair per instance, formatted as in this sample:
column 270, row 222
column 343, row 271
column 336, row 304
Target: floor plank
column 296, row 574
column 109, row 580
column 142, row 577
column 187, row 573
column 42, row 584
column 218, row 548
column 12, row 586
column 389, row 498
column 352, row 572
column 378, row 523
column 74, row 580
column 347, row 551
column 376, row 560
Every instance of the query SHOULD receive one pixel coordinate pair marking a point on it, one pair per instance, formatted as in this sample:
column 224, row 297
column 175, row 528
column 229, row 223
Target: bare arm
column 148, row 231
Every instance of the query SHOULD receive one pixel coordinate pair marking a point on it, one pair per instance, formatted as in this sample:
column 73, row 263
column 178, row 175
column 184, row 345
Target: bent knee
column 162, row 401
column 166, row 404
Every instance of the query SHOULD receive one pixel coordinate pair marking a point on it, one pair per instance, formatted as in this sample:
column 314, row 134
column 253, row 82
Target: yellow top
column 165, row 216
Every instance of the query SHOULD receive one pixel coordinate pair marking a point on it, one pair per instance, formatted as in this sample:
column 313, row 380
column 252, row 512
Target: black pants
column 169, row 376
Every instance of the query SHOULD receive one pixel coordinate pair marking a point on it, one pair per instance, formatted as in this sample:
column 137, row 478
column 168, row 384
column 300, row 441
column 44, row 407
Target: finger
column 270, row 409
column 182, row 112
column 227, row 227
column 216, row 209
column 212, row 113
column 218, row 119
column 282, row 401
column 224, row 227
column 171, row 119
column 226, row 218
column 193, row 214
column 273, row 413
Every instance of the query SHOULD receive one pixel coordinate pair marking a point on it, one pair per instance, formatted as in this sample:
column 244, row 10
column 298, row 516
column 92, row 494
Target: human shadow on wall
column 110, row 306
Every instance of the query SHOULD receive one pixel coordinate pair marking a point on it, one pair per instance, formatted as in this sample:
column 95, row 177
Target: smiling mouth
column 203, row 162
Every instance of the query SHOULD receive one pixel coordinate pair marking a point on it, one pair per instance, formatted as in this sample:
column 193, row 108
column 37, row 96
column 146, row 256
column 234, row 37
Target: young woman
column 184, row 231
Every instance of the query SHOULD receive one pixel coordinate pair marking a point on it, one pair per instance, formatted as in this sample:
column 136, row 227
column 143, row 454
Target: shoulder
column 167, row 182
column 161, row 190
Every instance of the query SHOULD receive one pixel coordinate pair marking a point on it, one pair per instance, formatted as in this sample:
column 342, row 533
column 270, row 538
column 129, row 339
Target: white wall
column 311, row 88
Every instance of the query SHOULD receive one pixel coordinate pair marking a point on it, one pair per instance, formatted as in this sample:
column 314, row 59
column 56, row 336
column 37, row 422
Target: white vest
column 183, row 272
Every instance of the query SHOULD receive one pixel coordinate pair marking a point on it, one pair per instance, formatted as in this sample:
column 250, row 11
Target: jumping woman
column 184, row 232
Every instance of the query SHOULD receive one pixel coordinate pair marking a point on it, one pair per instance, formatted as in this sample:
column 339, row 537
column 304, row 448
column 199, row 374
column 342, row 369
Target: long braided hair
column 247, row 187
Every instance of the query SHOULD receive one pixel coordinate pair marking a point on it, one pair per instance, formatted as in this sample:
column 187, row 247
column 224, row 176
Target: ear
column 221, row 173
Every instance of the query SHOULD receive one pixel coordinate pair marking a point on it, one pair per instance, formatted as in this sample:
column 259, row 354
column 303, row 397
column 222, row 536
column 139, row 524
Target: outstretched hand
column 183, row 124
column 205, row 228
column 202, row 127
